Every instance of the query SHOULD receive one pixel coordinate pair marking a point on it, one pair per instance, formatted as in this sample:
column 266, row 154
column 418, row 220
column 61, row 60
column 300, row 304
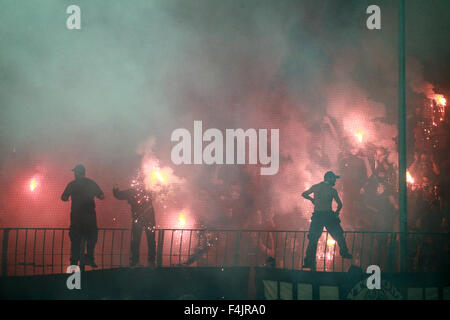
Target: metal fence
column 35, row 251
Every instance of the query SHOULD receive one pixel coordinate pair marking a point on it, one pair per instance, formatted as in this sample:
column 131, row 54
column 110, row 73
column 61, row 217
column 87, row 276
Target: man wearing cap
column 83, row 220
column 323, row 216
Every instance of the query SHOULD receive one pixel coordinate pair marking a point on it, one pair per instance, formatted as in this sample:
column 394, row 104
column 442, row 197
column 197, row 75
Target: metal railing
column 36, row 251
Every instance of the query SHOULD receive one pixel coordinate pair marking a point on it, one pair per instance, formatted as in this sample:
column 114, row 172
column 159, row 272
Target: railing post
column 83, row 255
column 402, row 194
column 237, row 252
column 391, row 252
column 159, row 254
column 387, row 243
column 5, row 252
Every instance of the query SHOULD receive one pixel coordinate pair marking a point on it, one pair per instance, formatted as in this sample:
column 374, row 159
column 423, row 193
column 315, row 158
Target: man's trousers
column 331, row 221
column 136, row 235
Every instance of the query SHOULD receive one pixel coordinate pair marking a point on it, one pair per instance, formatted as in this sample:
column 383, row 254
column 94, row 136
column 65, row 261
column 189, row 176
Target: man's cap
column 79, row 168
column 330, row 175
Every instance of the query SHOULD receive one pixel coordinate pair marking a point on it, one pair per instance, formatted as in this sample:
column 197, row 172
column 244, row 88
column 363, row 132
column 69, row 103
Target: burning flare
column 440, row 99
column 331, row 242
column 182, row 220
column 33, row 184
column 158, row 175
column 409, row 178
column 359, row 136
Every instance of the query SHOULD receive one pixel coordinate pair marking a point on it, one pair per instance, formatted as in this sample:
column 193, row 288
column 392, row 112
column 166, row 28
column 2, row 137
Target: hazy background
column 110, row 95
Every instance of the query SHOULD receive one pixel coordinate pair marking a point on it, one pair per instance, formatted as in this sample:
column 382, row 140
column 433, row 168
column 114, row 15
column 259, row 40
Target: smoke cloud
column 109, row 96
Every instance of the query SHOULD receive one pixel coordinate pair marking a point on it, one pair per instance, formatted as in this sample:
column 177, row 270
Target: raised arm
column 434, row 166
column 338, row 201
column 368, row 168
column 121, row 195
column 412, row 168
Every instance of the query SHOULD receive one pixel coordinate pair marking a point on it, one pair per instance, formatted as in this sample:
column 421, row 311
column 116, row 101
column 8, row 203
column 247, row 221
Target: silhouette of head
column 354, row 150
column 79, row 171
column 382, row 153
column 330, row 177
column 271, row 262
column 424, row 157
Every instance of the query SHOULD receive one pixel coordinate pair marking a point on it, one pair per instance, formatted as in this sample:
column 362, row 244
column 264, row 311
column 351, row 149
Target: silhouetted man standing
column 354, row 166
column 323, row 216
column 143, row 219
column 83, row 220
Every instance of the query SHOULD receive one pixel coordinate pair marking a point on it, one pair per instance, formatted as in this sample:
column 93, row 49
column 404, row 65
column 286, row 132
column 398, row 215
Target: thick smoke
column 110, row 95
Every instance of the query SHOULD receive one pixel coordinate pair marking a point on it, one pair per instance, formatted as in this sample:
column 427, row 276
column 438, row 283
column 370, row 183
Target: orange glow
column 440, row 99
column 156, row 176
column 159, row 176
column 182, row 220
column 359, row 136
column 409, row 178
column 33, row 185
